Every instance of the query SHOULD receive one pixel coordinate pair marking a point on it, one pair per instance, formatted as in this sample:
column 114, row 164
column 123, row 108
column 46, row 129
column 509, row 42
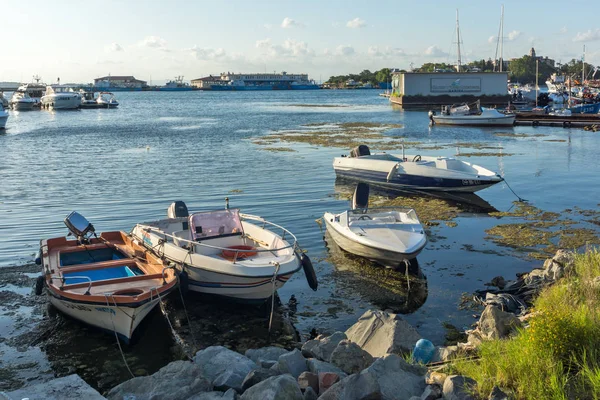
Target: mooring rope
column 178, row 338
column 518, row 197
column 186, row 313
column 106, row 295
column 273, row 280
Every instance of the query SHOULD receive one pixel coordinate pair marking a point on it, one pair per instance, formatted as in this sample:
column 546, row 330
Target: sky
column 159, row 40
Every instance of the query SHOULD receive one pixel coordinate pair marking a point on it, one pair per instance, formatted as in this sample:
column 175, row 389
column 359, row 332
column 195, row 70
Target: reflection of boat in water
column 388, row 289
column 465, row 202
column 387, row 236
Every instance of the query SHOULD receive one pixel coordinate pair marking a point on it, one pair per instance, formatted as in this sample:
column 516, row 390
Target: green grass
column 558, row 355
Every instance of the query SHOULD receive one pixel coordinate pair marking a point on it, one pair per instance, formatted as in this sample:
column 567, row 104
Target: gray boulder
column 458, row 387
column 256, row 376
column 361, row 386
column 350, row 358
column 67, row 387
column 223, row 367
column 380, row 333
column 268, row 355
column 308, row 380
column 283, row 387
column 326, row 346
column 308, row 348
column 316, row 367
column 444, row 353
column 176, row 380
column 432, row 392
column 497, row 324
column 292, row 363
column 310, row 394
column 397, row 379
column 228, row 395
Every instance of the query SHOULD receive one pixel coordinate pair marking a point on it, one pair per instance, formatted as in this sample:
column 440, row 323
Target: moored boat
column 88, row 99
column 107, row 100
column 387, row 236
column 471, row 115
column 60, row 97
column 413, row 172
column 108, row 281
column 3, row 117
column 225, row 252
column 21, row 101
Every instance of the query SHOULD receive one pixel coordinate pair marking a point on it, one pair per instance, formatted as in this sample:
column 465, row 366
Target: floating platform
column 575, row 120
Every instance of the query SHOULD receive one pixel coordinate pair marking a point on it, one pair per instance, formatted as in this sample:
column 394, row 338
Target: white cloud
column 113, row 47
column 376, row 51
column 207, row 53
column 291, row 23
column 356, row 23
column 344, row 50
column 289, row 48
column 587, row 36
column 153, row 42
column 434, row 51
column 513, row 35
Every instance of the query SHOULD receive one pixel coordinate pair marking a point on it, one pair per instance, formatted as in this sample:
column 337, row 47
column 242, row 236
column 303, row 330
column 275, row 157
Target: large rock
column 361, row 386
column 432, row 392
column 67, row 387
column 397, row 379
column 326, row 346
column 308, row 380
column 316, row 366
column 228, row 395
column 444, row 353
column 292, row 363
column 565, row 258
column 256, row 376
column 310, row 394
column 327, row 380
column 283, row 387
column 308, row 348
column 350, row 357
column 223, row 367
column 176, row 380
column 458, row 387
column 497, row 324
column 265, row 356
column 380, row 333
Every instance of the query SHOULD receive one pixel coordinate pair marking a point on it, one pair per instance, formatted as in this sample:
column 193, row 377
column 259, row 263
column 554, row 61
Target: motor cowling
column 362, row 150
column 360, row 199
column 178, row 209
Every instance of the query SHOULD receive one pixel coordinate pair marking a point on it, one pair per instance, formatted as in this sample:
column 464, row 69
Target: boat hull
column 381, row 256
column 70, row 102
column 22, row 106
column 122, row 320
column 473, row 121
column 3, row 119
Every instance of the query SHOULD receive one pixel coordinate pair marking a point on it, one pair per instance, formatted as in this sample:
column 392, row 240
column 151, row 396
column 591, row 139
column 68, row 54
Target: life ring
column 241, row 251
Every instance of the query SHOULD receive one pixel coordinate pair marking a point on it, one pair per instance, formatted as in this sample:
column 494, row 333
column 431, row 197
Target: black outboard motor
column 178, row 209
column 360, row 200
column 362, row 150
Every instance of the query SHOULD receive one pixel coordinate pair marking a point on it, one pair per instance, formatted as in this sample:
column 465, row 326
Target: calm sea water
column 123, row 166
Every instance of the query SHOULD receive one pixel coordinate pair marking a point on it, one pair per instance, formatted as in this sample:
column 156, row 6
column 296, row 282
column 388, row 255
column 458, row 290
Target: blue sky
column 158, row 40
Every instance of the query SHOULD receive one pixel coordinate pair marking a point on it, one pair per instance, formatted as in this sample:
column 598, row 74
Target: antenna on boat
column 458, row 62
column 227, row 203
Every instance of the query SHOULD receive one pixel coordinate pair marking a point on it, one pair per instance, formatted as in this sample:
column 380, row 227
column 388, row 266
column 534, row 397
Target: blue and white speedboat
column 413, row 172
column 592, row 108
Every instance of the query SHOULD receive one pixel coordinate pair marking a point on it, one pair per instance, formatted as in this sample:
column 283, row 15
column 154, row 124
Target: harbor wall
column 415, row 88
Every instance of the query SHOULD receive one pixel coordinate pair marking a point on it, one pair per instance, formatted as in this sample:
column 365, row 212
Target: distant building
column 207, row 82
column 430, row 88
column 119, row 82
column 255, row 81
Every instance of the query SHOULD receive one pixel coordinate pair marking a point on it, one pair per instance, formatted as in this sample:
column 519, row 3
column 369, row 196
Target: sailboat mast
column 458, row 42
column 502, row 38
column 583, row 65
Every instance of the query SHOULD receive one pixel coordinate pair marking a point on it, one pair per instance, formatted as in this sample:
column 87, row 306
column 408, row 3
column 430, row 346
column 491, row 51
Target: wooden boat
column 386, row 236
column 108, row 281
column 226, row 253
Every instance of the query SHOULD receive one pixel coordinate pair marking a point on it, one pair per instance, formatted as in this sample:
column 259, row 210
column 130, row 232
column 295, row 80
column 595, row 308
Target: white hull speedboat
column 410, row 172
column 20, row 101
column 107, row 100
column 223, row 253
column 3, row 118
column 108, row 282
column 60, row 97
column 386, row 236
column 471, row 116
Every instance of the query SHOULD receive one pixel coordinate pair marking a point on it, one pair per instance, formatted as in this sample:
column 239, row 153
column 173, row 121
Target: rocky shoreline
column 370, row 360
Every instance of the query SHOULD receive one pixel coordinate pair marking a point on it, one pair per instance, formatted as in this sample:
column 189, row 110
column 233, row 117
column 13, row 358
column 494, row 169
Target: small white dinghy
column 386, row 236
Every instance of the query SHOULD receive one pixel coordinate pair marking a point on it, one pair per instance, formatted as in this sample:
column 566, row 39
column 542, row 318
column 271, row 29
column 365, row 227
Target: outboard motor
column 360, row 200
column 79, row 226
column 178, row 209
column 362, row 150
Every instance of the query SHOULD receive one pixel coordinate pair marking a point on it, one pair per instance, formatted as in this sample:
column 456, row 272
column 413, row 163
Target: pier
column 575, row 120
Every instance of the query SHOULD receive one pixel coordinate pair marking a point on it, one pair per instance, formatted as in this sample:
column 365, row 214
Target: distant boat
column 471, row 115
column 408, row 172
column 107, row 100
column 107, row 281
column 3, row 117
column 60, row 97
column 176, row 85
column 20, row 101
column 88, row 99
column 593, row 108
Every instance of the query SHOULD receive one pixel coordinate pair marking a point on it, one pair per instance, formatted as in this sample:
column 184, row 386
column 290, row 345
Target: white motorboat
column 21, row 101
column 472, row 115
column 3, row 117
column 88, row 100
column 3, row 100
column 386, row 236
column 416, row 172
column 107, row 281
column 107, row 100
column 226, row 253
column 60, row 97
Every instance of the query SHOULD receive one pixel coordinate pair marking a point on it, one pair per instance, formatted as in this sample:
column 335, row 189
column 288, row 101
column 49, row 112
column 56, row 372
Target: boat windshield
column 215, row 223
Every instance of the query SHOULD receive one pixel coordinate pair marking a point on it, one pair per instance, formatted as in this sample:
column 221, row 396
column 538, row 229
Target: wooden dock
column 575, row 120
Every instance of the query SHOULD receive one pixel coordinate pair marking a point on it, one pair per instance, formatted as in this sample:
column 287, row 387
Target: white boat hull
column 3, row 119
column 22, row 106
column 123, row 320
column 507, row 120
column 61, row 102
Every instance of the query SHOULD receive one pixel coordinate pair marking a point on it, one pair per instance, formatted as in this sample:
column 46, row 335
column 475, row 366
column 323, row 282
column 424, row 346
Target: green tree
column 523, row 70
column 383, row 75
